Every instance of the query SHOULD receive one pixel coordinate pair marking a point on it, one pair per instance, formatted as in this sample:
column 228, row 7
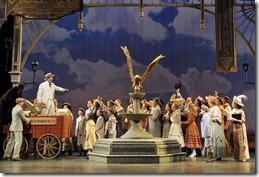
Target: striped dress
column 192, row 136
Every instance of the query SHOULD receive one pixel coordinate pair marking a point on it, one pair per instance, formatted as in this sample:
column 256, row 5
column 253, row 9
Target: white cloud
column 187, row 22
column 204, row 83
column 57, row 33
column 128, row 19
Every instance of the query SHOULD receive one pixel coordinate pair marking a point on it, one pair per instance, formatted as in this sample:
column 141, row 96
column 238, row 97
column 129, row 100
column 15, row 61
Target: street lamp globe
column 35, row 65
column 245, row 66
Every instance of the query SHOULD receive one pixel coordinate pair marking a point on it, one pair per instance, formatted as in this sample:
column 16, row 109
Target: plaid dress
column 192, row 136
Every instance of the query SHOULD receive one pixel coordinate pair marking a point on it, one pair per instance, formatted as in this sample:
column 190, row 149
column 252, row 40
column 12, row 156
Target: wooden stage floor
column 74, row 164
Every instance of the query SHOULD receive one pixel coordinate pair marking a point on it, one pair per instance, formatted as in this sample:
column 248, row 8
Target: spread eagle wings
column 129, row 62
column 150, row 67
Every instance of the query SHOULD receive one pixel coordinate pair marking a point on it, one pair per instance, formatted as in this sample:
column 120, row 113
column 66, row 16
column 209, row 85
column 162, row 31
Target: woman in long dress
column 192, row 136
column 218, row 135
column 241, row 149
column 175, row 131
column 166, row 120
column 90, row 135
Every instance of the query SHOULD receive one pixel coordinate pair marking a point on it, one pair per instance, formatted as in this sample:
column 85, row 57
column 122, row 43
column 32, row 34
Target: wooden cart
column 49, row 131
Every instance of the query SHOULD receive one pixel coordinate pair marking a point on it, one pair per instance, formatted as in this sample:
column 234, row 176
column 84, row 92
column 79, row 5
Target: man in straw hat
column 14, row 144
column 46, row 95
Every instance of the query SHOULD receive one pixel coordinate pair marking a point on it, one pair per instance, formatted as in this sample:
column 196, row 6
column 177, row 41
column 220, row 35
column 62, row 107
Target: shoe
column 193, row 155
column 6, row 158
column 17, row 159
column 86, row 157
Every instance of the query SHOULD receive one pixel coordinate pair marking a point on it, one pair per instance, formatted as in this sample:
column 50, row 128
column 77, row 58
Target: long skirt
column 166, row 128
column 192, row 136
column 218, row 140
column 241, row 150
column 176, row 133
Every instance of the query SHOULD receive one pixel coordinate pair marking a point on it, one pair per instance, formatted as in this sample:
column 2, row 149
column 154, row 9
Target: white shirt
column 47, row 92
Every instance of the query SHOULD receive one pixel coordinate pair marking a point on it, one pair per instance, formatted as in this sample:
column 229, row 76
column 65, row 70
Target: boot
column 80, row 149
column 86, row 154
column 210, row 157
column 193, row 154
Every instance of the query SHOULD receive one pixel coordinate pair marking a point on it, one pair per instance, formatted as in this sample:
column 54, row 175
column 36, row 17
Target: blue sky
column 91, row 63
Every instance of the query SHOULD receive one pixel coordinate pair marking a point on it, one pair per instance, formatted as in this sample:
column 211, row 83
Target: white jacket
column 46, row 93
column 17, row 118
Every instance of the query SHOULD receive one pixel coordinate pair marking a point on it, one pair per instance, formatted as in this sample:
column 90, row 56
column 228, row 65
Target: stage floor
column 74, row 164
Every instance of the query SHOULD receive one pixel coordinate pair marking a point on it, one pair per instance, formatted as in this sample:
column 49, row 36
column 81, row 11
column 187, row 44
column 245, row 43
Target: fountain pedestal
column 137, row 145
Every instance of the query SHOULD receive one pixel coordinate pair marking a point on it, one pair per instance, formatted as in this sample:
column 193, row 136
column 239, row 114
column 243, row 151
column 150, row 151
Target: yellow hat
column 48, row 75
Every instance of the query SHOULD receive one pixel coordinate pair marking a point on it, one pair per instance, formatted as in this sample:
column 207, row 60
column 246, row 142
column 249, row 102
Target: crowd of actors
column 214, row 125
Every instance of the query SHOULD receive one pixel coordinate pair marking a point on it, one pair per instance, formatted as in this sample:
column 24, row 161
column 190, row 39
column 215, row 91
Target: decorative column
column 17, row 52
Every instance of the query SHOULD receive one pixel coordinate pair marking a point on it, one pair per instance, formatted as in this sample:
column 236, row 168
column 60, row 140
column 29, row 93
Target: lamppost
column 35, row 67
column 245, row 68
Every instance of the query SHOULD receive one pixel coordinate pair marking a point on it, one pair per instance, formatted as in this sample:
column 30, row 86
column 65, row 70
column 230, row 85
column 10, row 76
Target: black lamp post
column 35, row 67
column 245, row 68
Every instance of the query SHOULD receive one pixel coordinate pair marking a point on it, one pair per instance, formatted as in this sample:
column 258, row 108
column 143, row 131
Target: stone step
column 128, row 159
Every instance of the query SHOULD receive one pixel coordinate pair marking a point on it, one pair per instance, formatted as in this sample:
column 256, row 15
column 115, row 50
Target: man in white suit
column 46, row 95
column 15, row 141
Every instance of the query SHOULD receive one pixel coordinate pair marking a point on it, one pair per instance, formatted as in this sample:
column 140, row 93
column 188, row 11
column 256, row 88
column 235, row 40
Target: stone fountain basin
column 136, row 116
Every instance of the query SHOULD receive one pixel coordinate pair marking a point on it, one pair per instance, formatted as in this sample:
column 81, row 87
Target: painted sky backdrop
column 91, row 63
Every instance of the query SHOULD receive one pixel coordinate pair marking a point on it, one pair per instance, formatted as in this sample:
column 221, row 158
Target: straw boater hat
column 238, row 99
column 18, row 100
column 81, row 109
column 48, row 75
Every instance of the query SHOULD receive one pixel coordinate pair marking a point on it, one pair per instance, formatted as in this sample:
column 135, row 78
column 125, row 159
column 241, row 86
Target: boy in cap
column 80, row 130
column 14, row 144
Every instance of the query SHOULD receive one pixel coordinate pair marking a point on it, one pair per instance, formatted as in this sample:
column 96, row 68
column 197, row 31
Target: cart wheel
column 48, row 146
column 24, row 147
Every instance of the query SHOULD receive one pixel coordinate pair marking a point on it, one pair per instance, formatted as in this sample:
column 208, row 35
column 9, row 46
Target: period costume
column 90, row 136
column 166, row 125
column 80, row 132
column 100, row 127
column 228, row 126
column 192, row 137
column 46, row 95
column 154, row 124
column 218, row 136
column 241, row 149
column 14, row 144
column 110, row 127
column 120, row 120
column 67, row 144
column 206, row 133
column 175, row 131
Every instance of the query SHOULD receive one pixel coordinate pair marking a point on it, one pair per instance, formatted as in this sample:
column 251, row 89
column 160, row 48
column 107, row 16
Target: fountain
column 137, row 145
